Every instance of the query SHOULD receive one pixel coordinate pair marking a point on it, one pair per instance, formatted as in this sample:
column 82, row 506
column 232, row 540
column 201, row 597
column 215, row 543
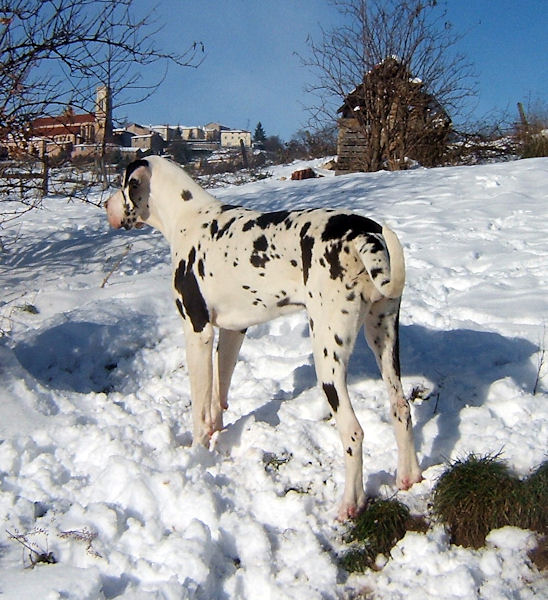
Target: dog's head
column 128, row 207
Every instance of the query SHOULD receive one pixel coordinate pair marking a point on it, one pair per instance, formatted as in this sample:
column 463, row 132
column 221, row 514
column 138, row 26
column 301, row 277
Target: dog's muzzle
column 115, row 207
column 121, row 212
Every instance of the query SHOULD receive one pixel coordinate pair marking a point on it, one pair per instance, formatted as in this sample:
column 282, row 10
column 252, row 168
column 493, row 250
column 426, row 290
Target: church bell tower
column 103, row 114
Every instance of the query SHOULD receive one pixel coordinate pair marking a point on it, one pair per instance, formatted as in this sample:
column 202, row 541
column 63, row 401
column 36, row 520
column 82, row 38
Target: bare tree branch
column 55, row 53
column 417, row 35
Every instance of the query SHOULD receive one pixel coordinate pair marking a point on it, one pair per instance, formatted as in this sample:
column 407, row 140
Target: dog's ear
column 138, row 181
column 134, row 166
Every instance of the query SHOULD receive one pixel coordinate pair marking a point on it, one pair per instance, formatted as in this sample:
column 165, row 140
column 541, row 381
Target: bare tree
column 393, row 64
column 55, row 53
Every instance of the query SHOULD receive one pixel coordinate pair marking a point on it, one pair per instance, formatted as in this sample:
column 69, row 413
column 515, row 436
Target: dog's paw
column 216, row 425
column 201, row 439
column 406, row 482
column 351, row 510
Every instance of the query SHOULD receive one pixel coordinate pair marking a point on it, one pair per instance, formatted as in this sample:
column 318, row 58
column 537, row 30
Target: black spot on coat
column 225, row 228
column 396, row 349
column 258, row 257
column 307, row 243
column 287, row 302
column 331, row 395
column 348, row 226
column 272, row 218
column 375, row 244
column 260, row 244
column 332, row 254
column 186, row 284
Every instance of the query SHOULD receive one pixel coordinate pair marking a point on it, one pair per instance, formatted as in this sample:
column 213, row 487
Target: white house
column 232, row 138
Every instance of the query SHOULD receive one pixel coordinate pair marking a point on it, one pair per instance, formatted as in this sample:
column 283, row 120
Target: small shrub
column 534, row 146
column 479, row 494
column 374, row 532
column 532, row 131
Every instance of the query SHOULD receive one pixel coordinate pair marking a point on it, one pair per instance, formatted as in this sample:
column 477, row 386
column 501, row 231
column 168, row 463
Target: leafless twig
column 540, row 363
column 116, row 265
column 36, row 555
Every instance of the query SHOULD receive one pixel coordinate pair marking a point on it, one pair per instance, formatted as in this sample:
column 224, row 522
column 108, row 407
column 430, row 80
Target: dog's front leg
column 199, row 361
column 228, row 347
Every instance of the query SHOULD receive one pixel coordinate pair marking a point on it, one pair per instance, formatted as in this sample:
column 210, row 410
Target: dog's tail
column 382, row 257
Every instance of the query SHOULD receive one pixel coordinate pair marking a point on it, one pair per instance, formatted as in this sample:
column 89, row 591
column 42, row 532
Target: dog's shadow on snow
column 457, row 367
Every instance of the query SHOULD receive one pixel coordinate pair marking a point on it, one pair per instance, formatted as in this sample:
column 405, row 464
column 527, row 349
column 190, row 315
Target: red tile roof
column 62, row 124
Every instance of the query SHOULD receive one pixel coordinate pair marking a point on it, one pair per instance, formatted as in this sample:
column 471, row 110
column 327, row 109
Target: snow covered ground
column 96, row 465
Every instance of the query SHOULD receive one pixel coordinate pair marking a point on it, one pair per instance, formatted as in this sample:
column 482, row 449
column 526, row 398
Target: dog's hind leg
column 333, row 341
column 200, row 371
column 381, row 331
column 228, row 347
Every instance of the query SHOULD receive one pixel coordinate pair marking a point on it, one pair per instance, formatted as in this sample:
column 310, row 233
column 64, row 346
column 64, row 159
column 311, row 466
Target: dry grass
column 479, row 494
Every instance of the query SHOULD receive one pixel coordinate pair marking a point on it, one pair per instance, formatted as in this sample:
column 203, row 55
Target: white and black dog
column 234, row 267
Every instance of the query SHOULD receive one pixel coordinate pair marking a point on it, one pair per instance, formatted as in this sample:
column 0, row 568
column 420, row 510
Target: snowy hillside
column 96, row 466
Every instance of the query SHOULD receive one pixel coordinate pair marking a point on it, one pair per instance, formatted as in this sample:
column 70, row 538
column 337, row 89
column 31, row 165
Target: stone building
column 62, row 133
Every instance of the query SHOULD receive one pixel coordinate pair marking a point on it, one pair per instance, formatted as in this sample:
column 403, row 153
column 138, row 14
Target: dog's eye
column 133, row 183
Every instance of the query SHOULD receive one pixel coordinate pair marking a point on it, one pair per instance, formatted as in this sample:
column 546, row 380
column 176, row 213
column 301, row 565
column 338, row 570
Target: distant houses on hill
column 156, row 138
column 75, row 135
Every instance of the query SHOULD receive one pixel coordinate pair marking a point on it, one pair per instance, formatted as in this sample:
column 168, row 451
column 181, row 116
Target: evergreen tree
column 259, row 135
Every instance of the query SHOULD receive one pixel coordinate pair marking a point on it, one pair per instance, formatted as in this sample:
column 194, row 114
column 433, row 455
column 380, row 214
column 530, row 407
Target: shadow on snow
column 85, row 357
column 461, row 365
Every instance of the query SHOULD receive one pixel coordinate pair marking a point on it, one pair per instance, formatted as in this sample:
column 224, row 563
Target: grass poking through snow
column 375, row 532
column 479, row 494
column 472, row 497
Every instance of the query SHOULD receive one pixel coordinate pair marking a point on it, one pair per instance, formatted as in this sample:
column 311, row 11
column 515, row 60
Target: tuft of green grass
column 535, row 499
column 479, row 494
column 374, row 532
column 473, row 497
column 29, row 308
column 273, row 462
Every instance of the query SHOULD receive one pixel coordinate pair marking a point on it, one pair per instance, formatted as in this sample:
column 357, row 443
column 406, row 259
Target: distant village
column 79, row 135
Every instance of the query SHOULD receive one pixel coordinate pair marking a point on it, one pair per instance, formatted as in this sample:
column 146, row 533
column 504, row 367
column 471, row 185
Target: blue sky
column 252, row 73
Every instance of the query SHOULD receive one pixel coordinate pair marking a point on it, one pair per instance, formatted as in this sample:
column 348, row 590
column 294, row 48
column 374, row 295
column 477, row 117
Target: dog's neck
column 172, row 203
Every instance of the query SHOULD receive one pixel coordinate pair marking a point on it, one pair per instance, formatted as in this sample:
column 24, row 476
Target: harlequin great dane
column 234, row 267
